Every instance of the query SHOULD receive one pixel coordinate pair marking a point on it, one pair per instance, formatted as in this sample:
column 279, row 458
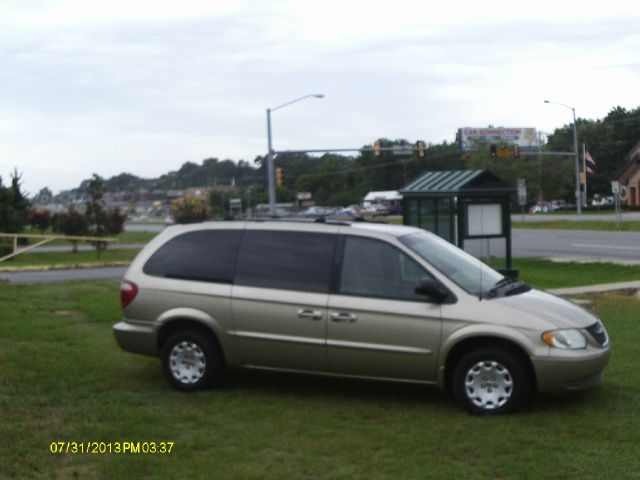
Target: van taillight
column 128, row 291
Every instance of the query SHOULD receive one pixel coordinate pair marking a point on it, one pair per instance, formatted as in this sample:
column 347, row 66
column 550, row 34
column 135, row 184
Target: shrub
column 39, row 219
column 71, row 223
column 189, row 210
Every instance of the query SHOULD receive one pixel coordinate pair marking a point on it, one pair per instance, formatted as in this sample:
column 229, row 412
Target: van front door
column 378, row 326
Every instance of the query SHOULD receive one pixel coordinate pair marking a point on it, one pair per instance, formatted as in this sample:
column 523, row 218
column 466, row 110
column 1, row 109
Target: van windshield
column 467, row 271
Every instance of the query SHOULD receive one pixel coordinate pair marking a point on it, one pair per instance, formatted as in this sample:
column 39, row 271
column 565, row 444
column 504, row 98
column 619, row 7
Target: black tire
column 490, row 382
column 191, row 360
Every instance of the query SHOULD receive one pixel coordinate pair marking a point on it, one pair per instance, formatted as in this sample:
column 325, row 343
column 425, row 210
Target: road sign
column 402, row 149
column 304, row 196
column 615, row 187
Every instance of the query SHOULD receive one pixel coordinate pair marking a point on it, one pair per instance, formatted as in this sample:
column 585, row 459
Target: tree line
column 335, row 179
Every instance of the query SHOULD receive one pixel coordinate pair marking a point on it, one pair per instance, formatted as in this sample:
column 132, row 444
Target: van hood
column 541, row 307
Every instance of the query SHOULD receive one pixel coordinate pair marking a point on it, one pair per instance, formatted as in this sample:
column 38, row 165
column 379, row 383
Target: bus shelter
column 461, row 204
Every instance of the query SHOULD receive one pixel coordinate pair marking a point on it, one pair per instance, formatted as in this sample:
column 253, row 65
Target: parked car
column 558, row 205
column 600, row 201
column 361, row 300
column 352, row 211
column 376, row 209
column 316, row 212
column 540, row 207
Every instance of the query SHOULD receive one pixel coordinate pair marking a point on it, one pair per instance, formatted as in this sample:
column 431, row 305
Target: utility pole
column 576, row 153
column 270, row 169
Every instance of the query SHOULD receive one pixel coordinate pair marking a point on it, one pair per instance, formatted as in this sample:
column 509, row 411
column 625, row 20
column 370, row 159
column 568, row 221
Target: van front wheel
column 490, row 381
column 190, row 361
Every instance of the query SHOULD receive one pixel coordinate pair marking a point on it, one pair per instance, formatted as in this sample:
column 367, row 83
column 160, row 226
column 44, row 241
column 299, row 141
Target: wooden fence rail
column 46, row 239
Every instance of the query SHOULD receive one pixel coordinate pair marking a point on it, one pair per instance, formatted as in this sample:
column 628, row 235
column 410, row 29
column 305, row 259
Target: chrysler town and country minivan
column 361, row 300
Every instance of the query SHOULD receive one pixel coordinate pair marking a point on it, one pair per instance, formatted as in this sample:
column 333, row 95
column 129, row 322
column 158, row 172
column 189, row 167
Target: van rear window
column 205, row 255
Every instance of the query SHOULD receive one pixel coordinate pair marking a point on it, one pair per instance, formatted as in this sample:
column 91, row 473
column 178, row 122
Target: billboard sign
column 470, row 137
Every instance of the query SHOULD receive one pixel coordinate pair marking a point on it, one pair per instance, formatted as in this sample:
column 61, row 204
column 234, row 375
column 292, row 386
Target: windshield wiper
column 521, row 287
column 508, row 286
column 504, row 281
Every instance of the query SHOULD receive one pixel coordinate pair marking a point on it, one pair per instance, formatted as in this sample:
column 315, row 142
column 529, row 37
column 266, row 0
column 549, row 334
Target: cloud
column 145, row 86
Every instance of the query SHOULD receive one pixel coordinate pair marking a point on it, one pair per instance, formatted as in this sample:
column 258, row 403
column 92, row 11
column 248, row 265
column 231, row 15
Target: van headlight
column 569, row 338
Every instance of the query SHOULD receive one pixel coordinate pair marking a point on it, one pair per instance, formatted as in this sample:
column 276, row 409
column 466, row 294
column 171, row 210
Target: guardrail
column 46, row 239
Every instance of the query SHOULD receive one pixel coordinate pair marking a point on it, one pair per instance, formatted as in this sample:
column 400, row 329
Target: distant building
column 203, row 193
column 630, row 179
column 389, row 198
column 174, row 194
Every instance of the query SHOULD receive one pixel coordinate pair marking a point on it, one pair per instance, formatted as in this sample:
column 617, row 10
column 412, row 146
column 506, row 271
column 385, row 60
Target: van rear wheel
column 490, row 381
column 191, row 361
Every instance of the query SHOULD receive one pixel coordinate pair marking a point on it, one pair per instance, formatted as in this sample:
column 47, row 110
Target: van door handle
column 310, row 314
column 344, row 317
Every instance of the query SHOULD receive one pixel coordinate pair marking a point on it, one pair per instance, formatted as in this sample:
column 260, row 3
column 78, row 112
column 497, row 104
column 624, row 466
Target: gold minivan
column 358, row 299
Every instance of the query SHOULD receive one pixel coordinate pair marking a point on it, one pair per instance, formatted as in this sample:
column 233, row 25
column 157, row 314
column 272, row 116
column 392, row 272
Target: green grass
column 599, row 225
column 70, row 259
column 391, row 219
column 124, row 237
column 63, row 378
column 136, row 237
column 546, row 274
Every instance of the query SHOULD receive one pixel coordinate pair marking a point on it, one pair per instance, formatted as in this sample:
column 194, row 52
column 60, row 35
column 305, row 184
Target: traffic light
column 377, row 145
column 279, row 180
column 516, row 151
column 421, row 148
column 494, row 150
column 504, row 152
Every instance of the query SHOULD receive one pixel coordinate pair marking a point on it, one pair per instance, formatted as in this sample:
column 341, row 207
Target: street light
column 270, row 169
column 575, row 149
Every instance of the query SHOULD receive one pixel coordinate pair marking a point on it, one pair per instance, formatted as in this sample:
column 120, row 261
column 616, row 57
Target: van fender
column 486, row 332
column 185, row 314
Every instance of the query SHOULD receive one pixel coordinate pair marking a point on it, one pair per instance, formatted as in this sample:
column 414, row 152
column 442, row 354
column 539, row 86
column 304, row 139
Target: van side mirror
column 430, row 288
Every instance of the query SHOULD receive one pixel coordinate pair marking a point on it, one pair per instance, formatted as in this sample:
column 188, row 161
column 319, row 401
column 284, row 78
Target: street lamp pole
column 577, row 155
column 270, row 169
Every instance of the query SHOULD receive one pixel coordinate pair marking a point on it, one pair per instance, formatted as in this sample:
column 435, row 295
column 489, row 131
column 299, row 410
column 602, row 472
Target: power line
column 372, row 167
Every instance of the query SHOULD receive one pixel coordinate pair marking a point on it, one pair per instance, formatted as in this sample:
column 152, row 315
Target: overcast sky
column 144, row 86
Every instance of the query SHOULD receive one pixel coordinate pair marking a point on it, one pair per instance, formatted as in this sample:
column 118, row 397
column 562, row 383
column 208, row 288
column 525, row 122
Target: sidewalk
column 86, row 248
column 604, row 287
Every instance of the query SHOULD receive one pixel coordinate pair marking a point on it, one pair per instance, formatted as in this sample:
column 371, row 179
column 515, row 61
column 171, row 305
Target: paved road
column 585, row 217
column 86, row 248
column 577, row 244
column 143, row 227
column 566, row 244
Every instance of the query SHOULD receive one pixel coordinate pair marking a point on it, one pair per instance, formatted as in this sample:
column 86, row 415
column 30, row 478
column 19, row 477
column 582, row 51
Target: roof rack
column 324, row 220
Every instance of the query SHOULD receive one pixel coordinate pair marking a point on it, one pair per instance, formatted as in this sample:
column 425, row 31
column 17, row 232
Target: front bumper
column 570, row 370
column 136, row 338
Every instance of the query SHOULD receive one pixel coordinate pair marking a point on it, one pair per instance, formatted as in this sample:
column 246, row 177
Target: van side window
column 286, row 260
column 205, row 255
column 372, row 268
